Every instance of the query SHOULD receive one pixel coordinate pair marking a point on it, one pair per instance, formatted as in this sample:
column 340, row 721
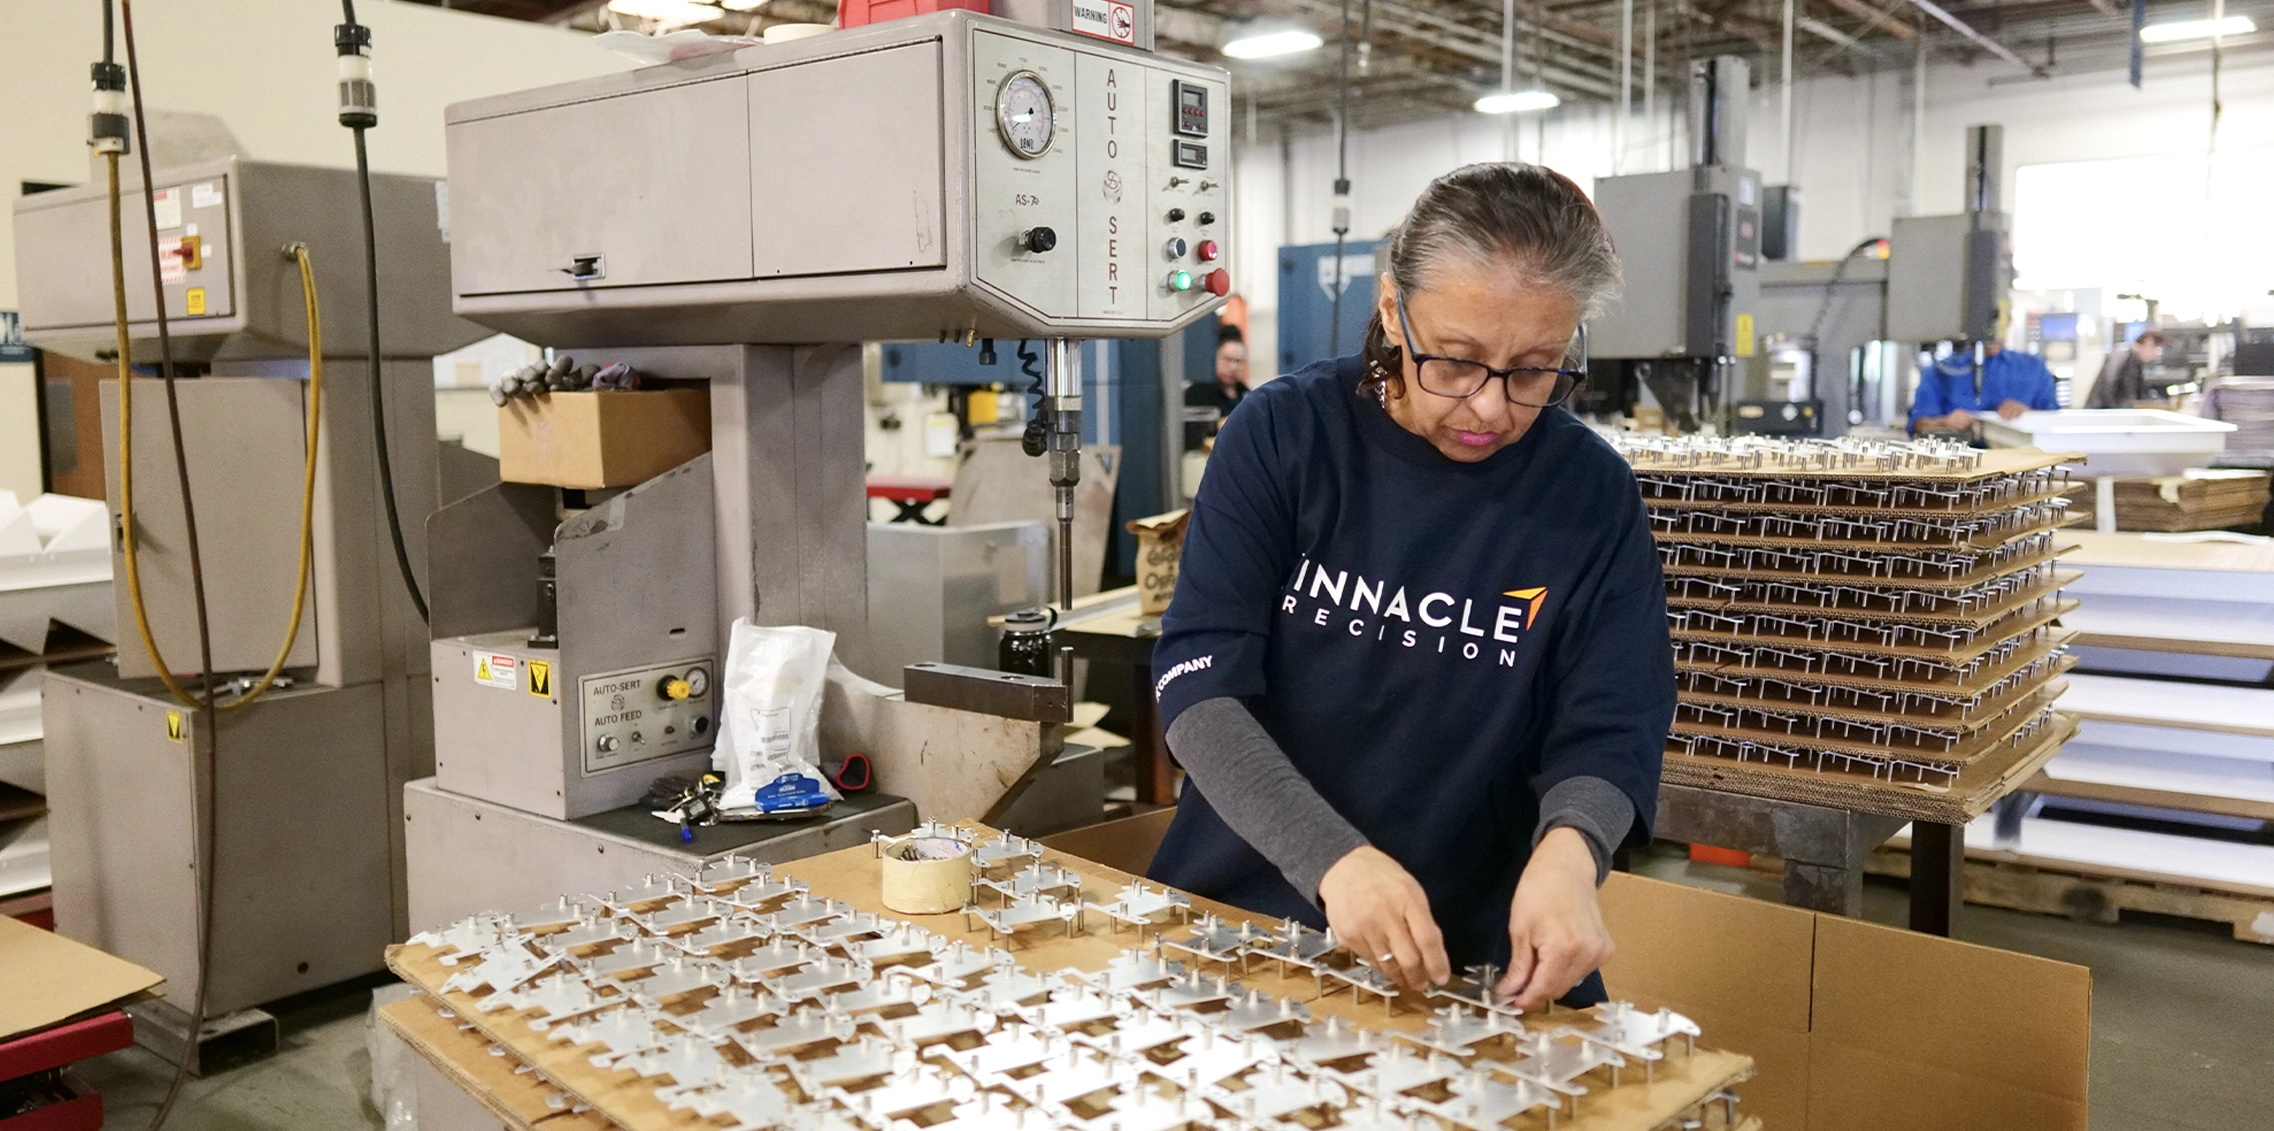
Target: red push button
column 1218, row 282
column 1209, row 251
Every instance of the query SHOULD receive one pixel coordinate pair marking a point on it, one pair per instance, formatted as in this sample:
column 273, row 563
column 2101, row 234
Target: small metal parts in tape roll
column 926, row 875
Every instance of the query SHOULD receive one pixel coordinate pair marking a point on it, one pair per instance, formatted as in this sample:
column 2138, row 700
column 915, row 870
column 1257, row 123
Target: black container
column 1027, row 647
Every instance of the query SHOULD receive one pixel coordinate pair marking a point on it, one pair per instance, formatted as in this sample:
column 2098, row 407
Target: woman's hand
column 1555, row 925
column 1379, row 911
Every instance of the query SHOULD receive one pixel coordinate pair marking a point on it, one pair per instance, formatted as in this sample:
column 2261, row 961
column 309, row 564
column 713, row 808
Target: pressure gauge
column 1024, row 114
column 698, row 683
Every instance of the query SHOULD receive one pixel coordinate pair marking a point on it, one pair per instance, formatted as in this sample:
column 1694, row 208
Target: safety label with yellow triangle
column 494, row 670
column 174, row 726
column 541, row 678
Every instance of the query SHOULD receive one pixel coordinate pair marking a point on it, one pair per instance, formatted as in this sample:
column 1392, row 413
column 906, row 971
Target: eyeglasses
column 1460, row 378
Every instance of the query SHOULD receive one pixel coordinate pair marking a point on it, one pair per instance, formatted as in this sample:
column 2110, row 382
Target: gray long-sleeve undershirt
column 1260, row 794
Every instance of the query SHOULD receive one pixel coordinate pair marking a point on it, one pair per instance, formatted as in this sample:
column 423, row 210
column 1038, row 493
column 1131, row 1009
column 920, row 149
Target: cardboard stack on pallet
column 2201, row 498
column 1857, row 616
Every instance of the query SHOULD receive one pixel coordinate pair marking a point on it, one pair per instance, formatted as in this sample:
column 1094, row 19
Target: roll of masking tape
column 926, row 875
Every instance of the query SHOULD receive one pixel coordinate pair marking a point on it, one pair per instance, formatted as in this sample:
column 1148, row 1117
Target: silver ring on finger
column 1387, row 958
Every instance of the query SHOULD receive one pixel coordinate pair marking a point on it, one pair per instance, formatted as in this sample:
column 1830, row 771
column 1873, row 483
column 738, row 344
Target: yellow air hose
column 299, row 252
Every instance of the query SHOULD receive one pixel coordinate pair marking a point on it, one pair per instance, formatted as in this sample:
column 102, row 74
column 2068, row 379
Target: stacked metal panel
column 742, row 1000
column 1849, row 611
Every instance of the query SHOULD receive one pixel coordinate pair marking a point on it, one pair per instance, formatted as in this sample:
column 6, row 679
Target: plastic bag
column 769, row 745
column 394, row 1088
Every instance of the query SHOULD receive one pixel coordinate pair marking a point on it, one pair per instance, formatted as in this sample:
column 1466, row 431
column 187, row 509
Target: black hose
column 1816, row 326
column 378, row 390
column 208, row 801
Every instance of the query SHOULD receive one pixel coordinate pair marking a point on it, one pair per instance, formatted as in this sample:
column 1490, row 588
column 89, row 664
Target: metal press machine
column 308, row 821
column 745, row 220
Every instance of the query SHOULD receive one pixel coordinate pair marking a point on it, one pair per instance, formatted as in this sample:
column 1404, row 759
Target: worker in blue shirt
column 2012, row 384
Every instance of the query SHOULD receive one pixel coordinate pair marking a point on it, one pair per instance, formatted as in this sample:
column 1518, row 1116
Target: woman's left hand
column 1555, row 925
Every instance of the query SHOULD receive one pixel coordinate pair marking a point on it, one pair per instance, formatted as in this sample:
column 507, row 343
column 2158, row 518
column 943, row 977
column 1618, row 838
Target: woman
column 1223, row 394
column 1417, row 666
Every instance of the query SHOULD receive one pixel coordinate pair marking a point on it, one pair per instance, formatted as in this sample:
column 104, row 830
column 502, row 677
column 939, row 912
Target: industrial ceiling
column 1421, row 58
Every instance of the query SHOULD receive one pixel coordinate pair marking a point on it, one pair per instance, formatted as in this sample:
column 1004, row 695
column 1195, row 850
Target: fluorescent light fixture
column 1270, row 43
column 668, row 13
column 1517, row 102
column 2196, row 29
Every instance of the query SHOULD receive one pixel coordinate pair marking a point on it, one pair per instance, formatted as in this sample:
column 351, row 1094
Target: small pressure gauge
column 1024, row 114
column 698, row 683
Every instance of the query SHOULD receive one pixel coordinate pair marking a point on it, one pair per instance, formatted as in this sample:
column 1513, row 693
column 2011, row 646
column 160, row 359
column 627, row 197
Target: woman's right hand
column 1379, row 911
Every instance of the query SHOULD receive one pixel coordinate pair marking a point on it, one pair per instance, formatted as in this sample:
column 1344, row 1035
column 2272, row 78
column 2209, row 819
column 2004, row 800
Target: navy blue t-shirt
column 1434, row 644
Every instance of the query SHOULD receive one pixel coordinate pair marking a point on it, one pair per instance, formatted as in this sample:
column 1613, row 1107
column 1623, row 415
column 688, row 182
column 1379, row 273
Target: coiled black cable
column 1036, row 439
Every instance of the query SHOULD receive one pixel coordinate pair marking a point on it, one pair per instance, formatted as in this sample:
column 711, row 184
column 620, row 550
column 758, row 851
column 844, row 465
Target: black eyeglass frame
column 1568, row 380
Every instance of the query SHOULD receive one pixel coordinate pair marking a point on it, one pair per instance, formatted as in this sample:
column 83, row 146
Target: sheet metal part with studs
column 856, row 1022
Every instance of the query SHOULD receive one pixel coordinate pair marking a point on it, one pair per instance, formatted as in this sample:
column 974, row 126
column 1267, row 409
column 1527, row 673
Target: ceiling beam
column 1984, row 42
column 1874, row 18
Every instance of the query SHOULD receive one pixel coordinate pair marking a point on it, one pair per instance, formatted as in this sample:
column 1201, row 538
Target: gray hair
column 1501, row 213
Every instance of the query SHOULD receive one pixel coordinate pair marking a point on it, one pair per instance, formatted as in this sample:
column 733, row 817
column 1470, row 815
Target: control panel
column 1100, row 178
column 633, row 716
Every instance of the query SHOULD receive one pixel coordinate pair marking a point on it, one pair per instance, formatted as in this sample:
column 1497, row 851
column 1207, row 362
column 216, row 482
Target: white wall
column 1850, row 139
column 266, row 67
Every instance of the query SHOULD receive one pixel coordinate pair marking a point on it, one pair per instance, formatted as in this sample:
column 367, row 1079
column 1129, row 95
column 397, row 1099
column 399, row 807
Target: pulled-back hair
column 1526, row 218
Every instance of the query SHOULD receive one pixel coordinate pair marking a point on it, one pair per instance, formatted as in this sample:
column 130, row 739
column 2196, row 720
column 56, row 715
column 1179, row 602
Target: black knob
column 1175, row 214
column 1207, row 218
column 1041, row 239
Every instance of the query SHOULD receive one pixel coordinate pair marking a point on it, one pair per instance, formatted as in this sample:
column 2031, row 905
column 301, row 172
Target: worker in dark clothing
column 2012, row 383
column 1417, row 666
column 2124, row 380
column 1222, row 394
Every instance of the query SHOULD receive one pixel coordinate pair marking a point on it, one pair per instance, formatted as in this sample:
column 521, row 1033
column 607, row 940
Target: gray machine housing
column 308, row 823
column 591, row 729
column 933, row 589
column 1689, row 240
column 1924, row 302
column 852, row 187
column 242, row 213
column 307, row 833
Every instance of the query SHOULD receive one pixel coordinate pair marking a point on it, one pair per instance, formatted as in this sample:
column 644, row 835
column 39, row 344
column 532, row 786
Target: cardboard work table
column 528, row 1081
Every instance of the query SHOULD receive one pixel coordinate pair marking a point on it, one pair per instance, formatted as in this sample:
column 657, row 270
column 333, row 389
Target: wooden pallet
column 2076, row 892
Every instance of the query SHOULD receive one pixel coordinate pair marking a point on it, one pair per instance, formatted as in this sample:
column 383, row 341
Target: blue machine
column 1306, row 301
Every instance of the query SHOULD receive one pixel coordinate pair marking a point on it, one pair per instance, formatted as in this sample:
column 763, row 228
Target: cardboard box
column 1160, row 546
column 1853, row 1026
column 601, row 439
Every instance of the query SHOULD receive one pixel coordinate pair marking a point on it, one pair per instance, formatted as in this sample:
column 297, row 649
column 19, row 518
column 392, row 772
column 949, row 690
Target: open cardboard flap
column 46, row 978
column 1855, row 1025
column 1852, row 1026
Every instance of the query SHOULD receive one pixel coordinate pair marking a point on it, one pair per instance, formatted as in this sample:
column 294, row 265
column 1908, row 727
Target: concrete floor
column 2180, row 1035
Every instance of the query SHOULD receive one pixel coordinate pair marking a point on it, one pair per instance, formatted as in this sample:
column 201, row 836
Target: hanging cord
column 1341, row 188
column 1816, row 325
column 126, row 474
column 359, row 111
column 299, row 253
column 205, row 801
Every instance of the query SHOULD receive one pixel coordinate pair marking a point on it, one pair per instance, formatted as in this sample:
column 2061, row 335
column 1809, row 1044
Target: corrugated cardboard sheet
column 46, row 978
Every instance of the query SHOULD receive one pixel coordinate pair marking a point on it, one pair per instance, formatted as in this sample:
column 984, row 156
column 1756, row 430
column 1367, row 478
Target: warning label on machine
column 497, row 671
column 1106, row 19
